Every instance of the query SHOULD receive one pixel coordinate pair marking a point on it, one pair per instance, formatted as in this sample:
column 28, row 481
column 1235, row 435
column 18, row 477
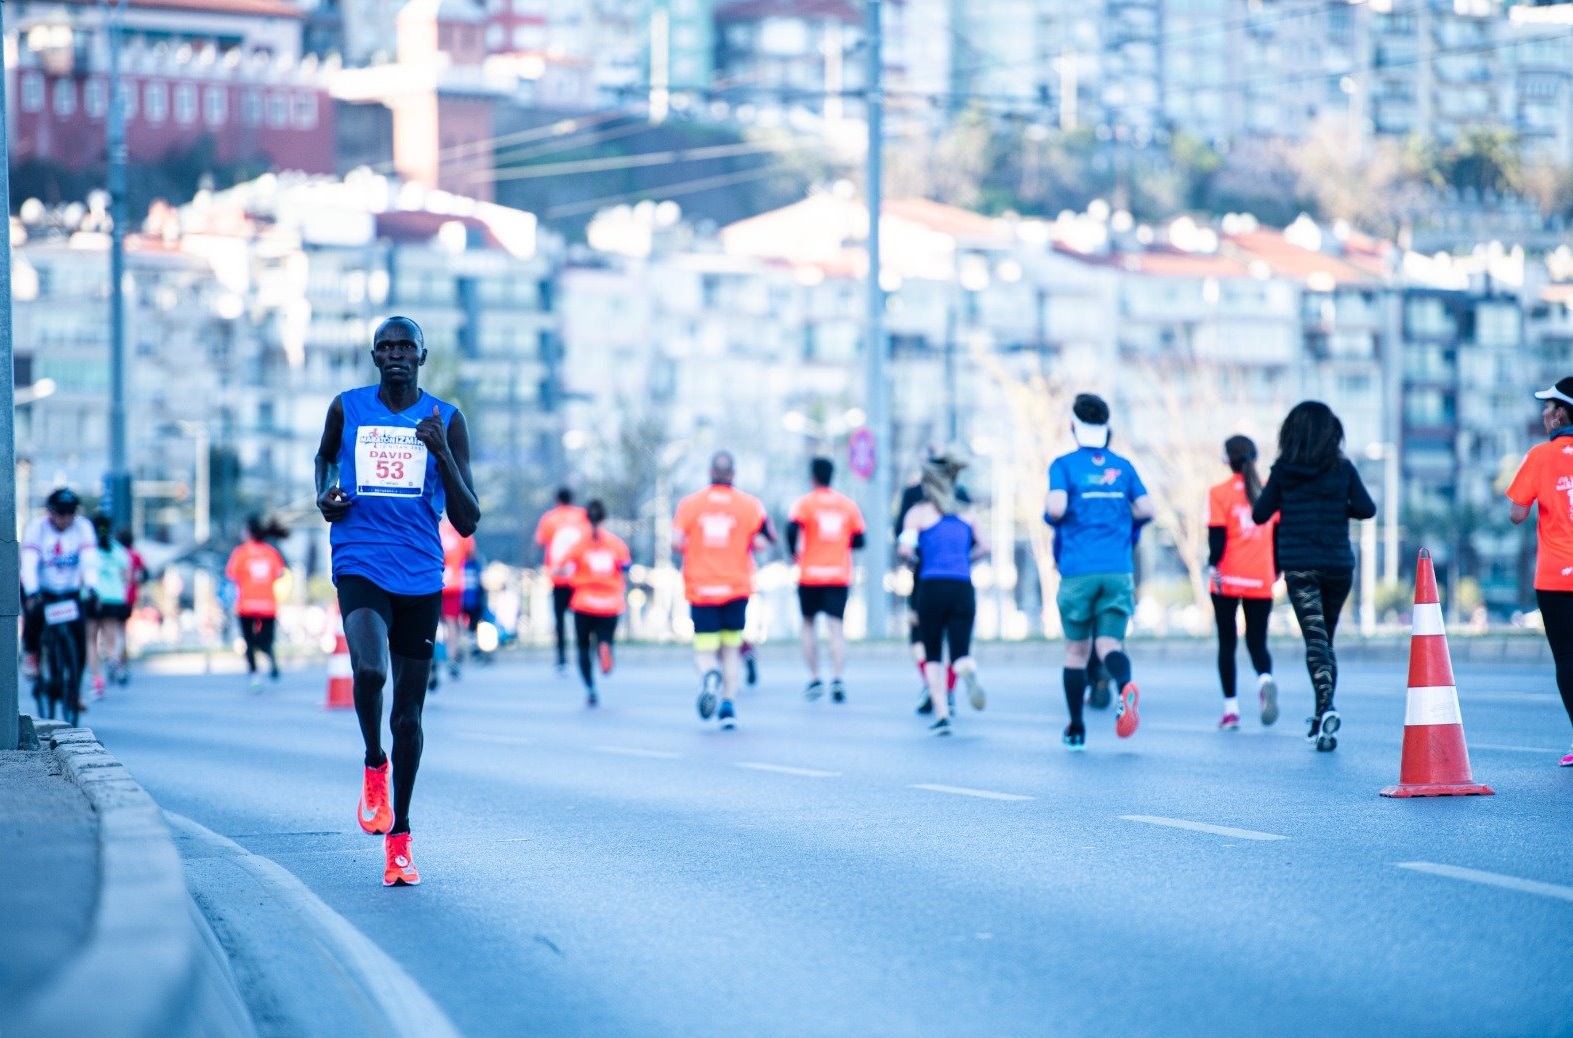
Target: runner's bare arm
column 1055, row 503
column 1518, row 513
column 980, row 540
column 1141, row 508
column 451, row 446
column 332, row 501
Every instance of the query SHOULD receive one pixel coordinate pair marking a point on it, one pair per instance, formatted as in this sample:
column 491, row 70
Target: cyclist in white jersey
column 58, row 549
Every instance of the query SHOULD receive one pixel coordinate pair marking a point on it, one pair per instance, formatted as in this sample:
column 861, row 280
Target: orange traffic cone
column 341, row 681
column 1436, row 761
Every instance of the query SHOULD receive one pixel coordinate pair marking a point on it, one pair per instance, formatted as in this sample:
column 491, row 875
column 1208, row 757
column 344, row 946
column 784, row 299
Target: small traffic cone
column 341, row 680
column 1436, row 760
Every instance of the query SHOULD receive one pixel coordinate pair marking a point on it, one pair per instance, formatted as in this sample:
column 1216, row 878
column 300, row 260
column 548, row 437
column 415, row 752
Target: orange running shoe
column 606, row 658
column 1125, row 720
column 375, row 814
column 400, row 870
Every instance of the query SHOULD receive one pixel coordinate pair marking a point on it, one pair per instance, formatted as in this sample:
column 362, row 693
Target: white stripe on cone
column 1436, row 705
column 339, row 666
column 1428, row 618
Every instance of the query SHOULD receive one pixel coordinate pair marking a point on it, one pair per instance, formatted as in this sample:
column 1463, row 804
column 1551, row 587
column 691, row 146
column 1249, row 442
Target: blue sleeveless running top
column 389, row 535
column 945, row 550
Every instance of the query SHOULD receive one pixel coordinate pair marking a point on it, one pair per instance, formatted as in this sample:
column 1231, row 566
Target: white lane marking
column 787, row 769
column 1204, row 827
column 1504, row 748
column 404, row 1007
column 499, row 740
column 1492, row 879
column 635, row 751
column 963, row 791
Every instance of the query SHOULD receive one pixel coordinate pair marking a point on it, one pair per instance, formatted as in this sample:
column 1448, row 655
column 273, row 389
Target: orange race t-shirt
column 455, row 551
column 829, row 521
column 1247, row 568
column 595, row 571
column 719, row 523
column 558, row 532
column 255, row 567
column 1546, row 478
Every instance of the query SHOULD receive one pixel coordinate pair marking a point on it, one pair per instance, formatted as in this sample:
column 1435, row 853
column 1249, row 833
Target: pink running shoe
column 1230, row 722
column 1125, row 721
column 1566, row 762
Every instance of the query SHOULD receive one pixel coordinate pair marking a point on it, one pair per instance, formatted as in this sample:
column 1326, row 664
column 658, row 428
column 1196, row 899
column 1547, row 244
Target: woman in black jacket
column 1315, row 491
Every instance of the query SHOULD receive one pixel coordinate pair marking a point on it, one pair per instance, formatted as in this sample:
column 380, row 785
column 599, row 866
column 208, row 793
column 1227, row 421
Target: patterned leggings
column 1318, row 596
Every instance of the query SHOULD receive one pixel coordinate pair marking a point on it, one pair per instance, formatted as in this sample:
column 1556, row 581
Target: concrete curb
column 146, row 969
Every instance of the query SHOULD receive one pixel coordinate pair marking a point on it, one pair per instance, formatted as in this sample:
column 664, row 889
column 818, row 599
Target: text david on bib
column 389, row 462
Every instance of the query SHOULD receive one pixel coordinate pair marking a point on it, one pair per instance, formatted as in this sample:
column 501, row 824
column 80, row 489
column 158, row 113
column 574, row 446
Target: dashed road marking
column 963, row 791
column 1204, row 827
column 787, row 769
column 638, row 751
column 1490, row 879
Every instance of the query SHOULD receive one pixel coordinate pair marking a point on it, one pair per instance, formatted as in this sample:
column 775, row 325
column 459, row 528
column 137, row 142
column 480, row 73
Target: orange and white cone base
column 1436, row 759
column 341, row 679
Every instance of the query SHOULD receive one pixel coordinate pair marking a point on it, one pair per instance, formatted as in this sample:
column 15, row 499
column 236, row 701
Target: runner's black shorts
column 830, row 599
column 411, row 619
column 730, row 617
column 97, row 610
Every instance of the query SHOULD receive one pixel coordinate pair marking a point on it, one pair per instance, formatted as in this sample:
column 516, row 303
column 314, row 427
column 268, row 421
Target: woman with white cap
column 1545, row 478
column 941, row 538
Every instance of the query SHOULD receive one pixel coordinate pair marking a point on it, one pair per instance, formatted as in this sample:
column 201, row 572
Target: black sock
column 1075, row 689
column 1119, row 667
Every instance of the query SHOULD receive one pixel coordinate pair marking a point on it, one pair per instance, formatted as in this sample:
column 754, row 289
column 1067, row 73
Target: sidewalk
column 102, row 937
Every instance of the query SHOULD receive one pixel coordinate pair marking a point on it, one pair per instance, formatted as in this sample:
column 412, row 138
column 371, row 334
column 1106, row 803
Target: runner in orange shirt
column 255, row 566
column 456, row 551
column 558, row 532
column 1546, row 479
column 823, row 528
column 1241, row 571
column 717, row 530
column 595, row 571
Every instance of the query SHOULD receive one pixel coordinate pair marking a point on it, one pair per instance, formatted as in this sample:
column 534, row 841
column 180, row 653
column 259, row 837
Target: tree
column 1484, row 159
column 1383, row 188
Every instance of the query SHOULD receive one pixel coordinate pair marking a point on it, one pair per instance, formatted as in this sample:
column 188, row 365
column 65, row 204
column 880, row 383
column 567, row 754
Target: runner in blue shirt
column 392, row 459
column 1096, row 504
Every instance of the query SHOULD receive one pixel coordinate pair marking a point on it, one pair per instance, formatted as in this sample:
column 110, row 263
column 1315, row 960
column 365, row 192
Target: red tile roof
column 251, row 8
column 1288, row 260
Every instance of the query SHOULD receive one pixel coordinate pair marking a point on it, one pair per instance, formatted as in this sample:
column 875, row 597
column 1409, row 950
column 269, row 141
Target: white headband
column 1087, row 434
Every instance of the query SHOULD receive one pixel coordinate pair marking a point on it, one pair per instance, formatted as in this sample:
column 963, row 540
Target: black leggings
column 1257, row 613
column 1318, row 596
column 561, row 596
column 946, row 609
column 1556, row 609
column 258, row 632
column 588, row 627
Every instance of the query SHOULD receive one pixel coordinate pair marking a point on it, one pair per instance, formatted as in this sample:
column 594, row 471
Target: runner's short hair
column 823, row 471
column 564, row 496
column 1091, row 408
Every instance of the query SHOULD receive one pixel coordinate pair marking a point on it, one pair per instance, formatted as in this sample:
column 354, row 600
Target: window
column 305, row 111
column 251, row 108
column 215, row 106
column 32, row 92
column 65, row 97
column 278, row 110
column 95, row 98
column 185, row 103
column 128, row 97
column 1429, row 317
column 156, row 102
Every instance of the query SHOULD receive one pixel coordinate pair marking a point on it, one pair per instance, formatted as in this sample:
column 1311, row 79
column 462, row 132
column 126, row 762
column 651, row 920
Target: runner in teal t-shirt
column 1096, row 504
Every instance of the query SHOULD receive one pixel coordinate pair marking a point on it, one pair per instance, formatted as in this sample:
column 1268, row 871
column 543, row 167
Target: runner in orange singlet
column 558, row 532
column 456, row 551
column 595, row 570
column 717, row 530
column 823, row 528
column 1241, row 571
column 255, row 566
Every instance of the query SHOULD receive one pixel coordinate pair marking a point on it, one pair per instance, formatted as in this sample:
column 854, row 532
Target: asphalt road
column 833, row 870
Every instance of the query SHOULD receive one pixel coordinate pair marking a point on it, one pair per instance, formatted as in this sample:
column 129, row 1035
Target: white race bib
column 389, row 462
column 62, row 612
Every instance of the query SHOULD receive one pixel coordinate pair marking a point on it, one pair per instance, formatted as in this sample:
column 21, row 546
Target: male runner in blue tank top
column 392, row 458
column 1096, row 504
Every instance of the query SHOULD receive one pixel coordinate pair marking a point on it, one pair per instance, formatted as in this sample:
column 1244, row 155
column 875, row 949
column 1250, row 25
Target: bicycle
column 59, row 662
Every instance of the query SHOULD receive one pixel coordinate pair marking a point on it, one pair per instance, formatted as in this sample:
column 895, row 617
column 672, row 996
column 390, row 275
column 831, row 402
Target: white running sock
column 1231, row 705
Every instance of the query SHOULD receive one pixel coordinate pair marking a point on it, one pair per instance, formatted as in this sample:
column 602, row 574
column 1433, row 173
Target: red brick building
column 228, row 70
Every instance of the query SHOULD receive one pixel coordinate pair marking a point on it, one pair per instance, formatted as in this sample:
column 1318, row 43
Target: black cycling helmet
column 64, row 501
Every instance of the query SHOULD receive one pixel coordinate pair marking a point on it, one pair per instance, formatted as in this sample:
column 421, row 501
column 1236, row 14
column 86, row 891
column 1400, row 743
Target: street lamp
column 1003, row 527
column 824, row 432
column 1388, row 455
column 201, row 522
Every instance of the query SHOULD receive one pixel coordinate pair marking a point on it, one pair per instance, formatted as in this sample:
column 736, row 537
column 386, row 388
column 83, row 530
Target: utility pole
column 10, row 579
column 875, row 346
column 119, row 479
